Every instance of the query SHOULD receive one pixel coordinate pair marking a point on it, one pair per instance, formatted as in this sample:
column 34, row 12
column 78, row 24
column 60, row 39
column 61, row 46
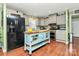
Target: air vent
column 76, row 11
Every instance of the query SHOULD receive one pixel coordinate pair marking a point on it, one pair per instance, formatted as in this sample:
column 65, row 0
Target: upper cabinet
column 61, row 20
column 41, row 21
column 51, row 19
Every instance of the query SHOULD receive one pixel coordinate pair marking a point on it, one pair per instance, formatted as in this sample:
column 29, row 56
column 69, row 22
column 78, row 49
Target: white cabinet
column 61, row 19
column 61, row 35
column 52, row 19
column 47, row 21
column 42, row 22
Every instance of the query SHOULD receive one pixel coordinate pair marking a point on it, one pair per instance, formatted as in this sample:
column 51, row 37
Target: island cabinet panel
column 36, row 40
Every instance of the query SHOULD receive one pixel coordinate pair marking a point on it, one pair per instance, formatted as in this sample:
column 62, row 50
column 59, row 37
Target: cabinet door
column 61, row 20
column 47, row 21
column 42, row 22
column 60, row 34
column 52, row 19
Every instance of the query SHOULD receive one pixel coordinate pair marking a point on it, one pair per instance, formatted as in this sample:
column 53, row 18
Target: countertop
column 37, row 31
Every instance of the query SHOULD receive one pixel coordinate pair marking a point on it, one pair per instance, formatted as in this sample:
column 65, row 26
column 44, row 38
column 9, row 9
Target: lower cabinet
column 61, row 35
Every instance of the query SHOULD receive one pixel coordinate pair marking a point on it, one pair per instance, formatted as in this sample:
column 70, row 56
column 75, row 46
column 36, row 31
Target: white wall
column 33, row 22
column 11, row 11
column 0, row 15
column 75, row 28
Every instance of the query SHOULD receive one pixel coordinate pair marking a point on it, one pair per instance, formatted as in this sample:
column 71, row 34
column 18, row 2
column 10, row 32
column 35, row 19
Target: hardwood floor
column 52, row 49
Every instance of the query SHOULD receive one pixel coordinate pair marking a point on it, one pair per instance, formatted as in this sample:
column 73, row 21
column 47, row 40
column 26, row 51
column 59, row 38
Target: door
column 74, row 30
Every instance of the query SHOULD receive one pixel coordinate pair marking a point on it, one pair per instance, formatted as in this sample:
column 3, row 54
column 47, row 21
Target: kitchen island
column 36, row 39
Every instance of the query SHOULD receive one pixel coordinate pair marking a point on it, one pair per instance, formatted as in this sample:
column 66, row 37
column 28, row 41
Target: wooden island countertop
column 34, row 32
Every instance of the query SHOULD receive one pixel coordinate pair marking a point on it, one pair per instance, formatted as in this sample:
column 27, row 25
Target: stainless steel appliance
column 15, row 31
column 53, row 28
column 62, row 27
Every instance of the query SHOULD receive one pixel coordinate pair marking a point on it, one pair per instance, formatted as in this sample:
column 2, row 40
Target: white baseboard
column 0, row 45
column 66, row 42
column 61, row 41
column 4, row 50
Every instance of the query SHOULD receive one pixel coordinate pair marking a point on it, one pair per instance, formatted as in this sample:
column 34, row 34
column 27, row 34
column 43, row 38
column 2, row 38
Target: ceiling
column 42, row 9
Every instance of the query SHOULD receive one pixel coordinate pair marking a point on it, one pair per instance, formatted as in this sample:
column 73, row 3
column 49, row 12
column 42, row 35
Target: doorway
column 74, row 31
